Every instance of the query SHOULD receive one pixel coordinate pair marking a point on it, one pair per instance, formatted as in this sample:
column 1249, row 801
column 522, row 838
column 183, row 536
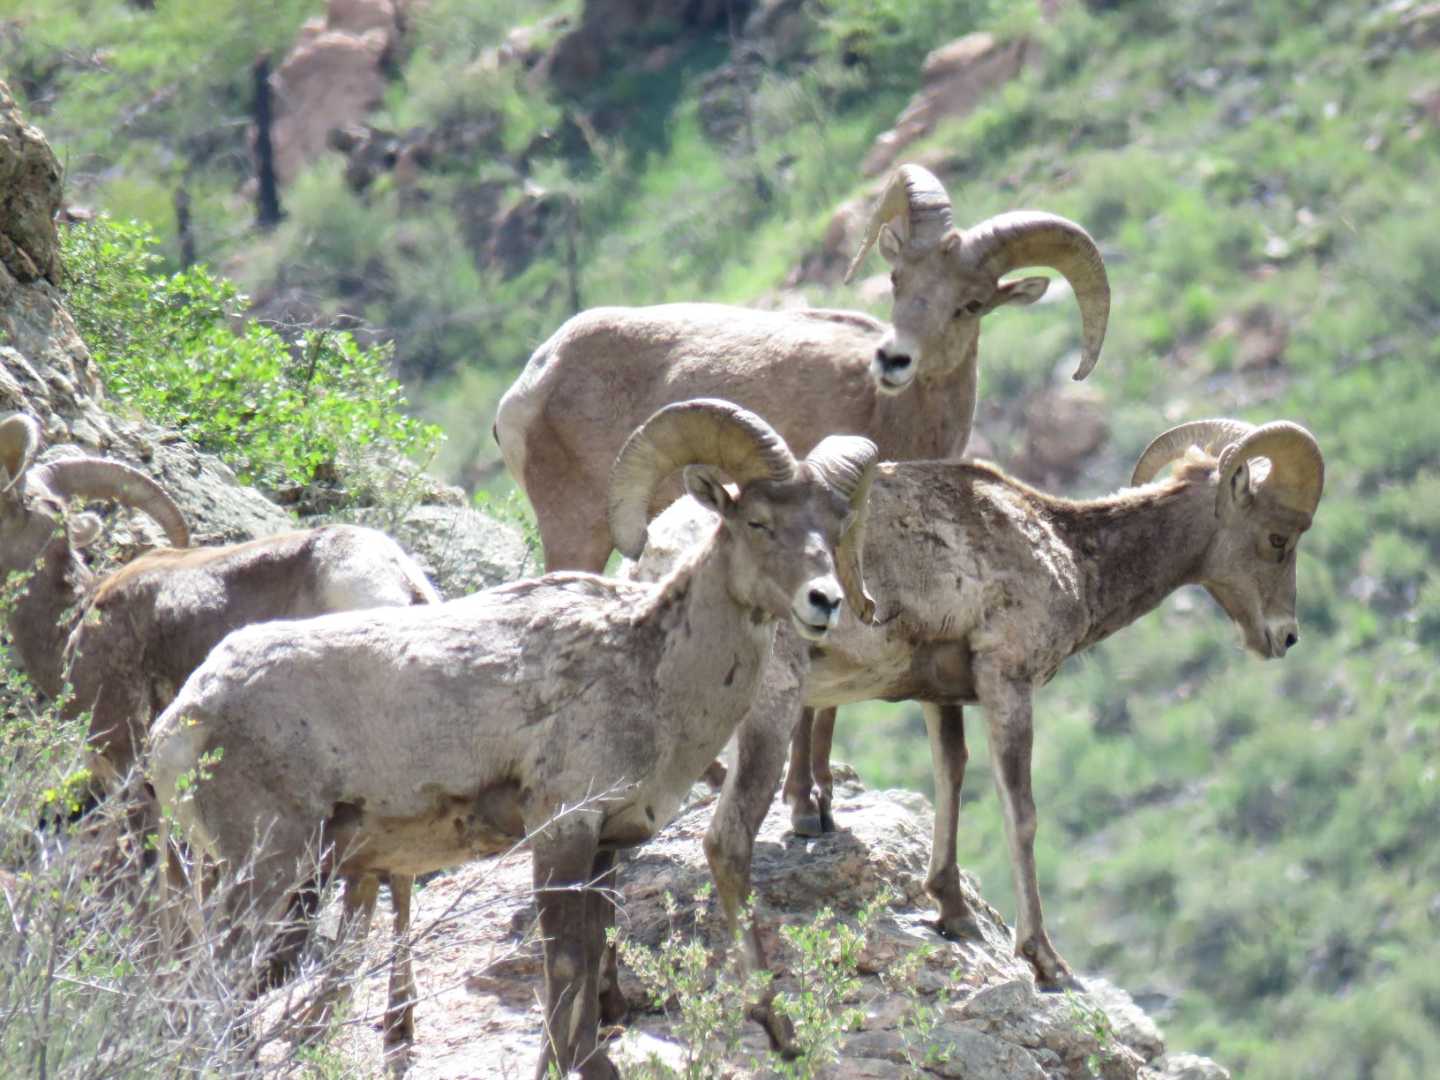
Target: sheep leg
column 730, row 845
column 613, row 1006
column 357, row 910
column 1010, row 725
column 566, row 853
column 822, row 737
column 400, row 1010
column 574, row 533
column 799, row 791
column 945, row 725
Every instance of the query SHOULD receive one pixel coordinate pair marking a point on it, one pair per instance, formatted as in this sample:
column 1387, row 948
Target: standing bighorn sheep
column 571, row 709
column 135, row 635
column 812, row 372
column 987, row 586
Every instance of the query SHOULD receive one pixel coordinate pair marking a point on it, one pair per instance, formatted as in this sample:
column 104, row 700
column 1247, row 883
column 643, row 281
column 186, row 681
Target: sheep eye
column 1276, row 540
column 758, row 525
column 974, row 306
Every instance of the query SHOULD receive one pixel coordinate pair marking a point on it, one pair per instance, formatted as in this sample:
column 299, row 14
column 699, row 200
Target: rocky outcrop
column 954, row 79
column 333, row 77
column 29, row 198
column 479, row 966
column 1065, row 424
column 625, row 33
column 461, row 549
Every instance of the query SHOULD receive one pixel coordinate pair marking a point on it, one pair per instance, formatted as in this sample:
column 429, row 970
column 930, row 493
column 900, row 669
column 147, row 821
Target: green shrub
column 282, row 413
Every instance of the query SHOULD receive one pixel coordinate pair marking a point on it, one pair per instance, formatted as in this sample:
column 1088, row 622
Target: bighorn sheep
column 987, row 586
column 572, row 709
column 135, row 635
column 813, row 372
column 36, row 535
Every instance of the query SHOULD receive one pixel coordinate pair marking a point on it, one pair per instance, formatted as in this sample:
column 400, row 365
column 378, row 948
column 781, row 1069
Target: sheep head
column 793, row 530
column 946, row 279
column 33, row 501
column 1268, row 483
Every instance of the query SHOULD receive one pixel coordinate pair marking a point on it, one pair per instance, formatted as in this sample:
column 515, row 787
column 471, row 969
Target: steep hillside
column 1245, row 845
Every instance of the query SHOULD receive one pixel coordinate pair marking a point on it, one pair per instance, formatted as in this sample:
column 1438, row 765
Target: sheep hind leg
column 799, row 791
column 1009, row 723
column 335, row 993
column 945, row 725
column 400, row 1010
column 822, row 737
column 566, row 858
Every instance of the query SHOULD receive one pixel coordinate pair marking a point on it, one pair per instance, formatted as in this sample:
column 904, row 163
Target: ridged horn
column 19, row 440
column 1297, row 468
column 920, row 201
column 1209, row 435
column 847, row 463
column 1019, row 238
column 704, row 430
column 96, row 478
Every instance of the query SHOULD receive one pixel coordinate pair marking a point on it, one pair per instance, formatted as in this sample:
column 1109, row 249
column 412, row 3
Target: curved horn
column 1208, row 435
column 1009, row 241
column 96, row 478
column 19, row 439
column 1297, row 468
column 704, row 430
column 847, row 463
column 919, row 200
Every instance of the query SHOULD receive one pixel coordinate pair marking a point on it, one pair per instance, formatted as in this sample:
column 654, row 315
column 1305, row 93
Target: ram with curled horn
column 986, row 588
column 125, row 641
column 909, row 386
column 571, row 709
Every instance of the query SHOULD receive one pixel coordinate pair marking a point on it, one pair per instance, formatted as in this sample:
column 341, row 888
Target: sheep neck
column 948, row 384
column 711, row 650
column 1137, row 548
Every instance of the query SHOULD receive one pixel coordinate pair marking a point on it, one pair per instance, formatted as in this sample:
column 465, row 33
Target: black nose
column 1290, row 639
column 820, row 601
column 892, row 363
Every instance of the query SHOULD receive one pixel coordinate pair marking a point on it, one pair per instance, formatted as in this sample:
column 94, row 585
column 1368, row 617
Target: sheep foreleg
column 730, row 844
column 566, row 856
column 945, row 724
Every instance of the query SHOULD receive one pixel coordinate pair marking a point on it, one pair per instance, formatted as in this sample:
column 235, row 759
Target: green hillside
column 1246, row 846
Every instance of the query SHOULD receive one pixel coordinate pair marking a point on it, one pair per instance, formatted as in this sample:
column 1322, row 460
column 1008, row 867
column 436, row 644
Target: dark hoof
column 1060, row 984
column 613, row 1006
column 807, row 824
column 958, row 928
column 827, row 823
column 399, row 1033
column 779, row 1028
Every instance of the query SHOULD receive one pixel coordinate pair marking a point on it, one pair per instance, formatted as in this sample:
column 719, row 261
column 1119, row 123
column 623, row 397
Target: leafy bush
column 283, row 414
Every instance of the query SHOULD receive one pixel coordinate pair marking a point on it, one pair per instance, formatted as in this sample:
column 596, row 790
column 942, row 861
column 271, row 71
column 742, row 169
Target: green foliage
column 822, row 1008
column 708, row 1012
column 708, row 1007
column 177, row 349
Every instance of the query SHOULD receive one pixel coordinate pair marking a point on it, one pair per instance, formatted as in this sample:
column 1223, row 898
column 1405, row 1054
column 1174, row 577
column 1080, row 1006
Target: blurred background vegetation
column 1247, row 847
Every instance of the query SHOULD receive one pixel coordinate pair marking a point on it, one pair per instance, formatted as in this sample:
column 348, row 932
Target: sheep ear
column 1242, row 490
column 889, row 243
column 1020, row 291
column 84, row 529
column 706, row 484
